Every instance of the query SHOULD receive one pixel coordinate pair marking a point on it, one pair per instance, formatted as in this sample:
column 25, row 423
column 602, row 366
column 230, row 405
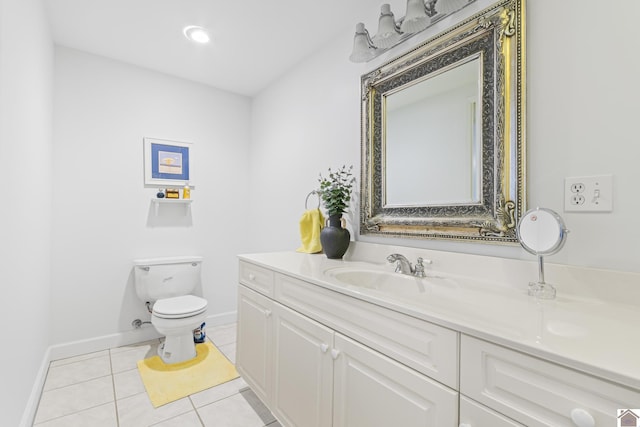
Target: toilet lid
column 179, row 307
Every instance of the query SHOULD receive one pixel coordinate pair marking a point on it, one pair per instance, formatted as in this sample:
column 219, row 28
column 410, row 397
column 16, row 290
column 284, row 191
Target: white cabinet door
column 372, row 390
column 472, row 414
column 303, row 370
column 255, row 333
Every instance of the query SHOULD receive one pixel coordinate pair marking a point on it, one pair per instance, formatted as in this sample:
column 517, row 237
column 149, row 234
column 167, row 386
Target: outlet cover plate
column 588, row 194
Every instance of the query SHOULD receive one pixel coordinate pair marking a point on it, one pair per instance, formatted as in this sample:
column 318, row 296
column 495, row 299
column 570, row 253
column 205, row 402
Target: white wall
column 102, row 216
column 582, row 94
column 303, row 124
column 26, row 68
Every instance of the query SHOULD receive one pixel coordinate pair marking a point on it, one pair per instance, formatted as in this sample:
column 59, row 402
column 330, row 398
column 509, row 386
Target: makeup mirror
column 541, row 232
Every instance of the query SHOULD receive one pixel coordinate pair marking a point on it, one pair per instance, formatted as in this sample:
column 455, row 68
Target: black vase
column 334, row 238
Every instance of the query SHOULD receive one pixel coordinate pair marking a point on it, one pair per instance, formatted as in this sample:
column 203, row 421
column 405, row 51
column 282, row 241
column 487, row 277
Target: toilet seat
column 179, row 307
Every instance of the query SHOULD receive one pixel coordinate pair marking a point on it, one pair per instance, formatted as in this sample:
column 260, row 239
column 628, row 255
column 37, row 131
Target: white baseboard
column 145, row 333
column 105, row 342
column 29, row 414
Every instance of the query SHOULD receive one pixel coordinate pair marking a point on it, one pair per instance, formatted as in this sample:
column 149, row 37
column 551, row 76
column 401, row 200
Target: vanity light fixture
column 196, row 34
column 363, row 48
column 388, row 34
column 420, row 15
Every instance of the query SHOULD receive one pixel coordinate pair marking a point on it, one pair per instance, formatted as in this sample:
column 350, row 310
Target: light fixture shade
column 416, row 18
column 388, row 33
column 363, row 49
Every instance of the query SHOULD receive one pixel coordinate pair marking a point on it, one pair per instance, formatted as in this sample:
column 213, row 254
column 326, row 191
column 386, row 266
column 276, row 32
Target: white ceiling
column 254, row 41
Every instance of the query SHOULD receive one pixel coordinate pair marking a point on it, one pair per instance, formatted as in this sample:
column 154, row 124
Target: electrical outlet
column 577, row 187
column 588, row 194
column 577, row 199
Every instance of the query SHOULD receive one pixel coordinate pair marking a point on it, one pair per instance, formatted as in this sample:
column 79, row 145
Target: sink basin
column 438, row 294
column 383, row 280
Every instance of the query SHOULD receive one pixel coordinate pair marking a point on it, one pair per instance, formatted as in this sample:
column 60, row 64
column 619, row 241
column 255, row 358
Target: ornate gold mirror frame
column 496, row 36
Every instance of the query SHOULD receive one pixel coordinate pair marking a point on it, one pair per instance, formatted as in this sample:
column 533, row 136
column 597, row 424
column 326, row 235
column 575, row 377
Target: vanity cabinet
column 312, row 375
column 318, row 358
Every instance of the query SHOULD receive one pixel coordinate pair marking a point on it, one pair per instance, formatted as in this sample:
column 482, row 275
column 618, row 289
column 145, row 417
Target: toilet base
column 177, row 348
column 178, row 343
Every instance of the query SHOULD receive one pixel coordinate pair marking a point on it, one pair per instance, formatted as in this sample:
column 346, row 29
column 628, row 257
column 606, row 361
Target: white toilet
column 167, row 284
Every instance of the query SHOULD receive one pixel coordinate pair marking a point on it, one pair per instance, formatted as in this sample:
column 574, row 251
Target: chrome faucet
column 403, row 265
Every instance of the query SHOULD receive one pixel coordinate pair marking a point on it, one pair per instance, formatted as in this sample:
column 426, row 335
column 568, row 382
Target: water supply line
column 137, row 323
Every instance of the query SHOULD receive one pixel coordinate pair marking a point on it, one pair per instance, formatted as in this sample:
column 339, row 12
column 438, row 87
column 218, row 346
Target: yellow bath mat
column 166, row 383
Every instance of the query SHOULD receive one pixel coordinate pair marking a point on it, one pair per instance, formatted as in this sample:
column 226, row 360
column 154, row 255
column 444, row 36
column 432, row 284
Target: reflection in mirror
column 443, row 148
column 541, row 232
column 432, row 135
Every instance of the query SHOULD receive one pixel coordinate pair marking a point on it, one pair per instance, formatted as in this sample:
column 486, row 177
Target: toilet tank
column 157, row 278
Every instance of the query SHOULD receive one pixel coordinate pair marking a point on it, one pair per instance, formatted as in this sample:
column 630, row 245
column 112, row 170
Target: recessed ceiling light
column 196, row 34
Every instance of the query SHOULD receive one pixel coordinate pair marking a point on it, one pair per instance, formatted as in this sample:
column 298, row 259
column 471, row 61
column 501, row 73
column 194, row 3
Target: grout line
column 70, row 414
column 195, row 410
column 81, row 358
column 115, row 397
column 73, row 384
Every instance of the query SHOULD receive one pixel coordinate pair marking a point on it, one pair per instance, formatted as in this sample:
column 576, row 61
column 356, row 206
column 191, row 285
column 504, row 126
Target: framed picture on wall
column 168, row 163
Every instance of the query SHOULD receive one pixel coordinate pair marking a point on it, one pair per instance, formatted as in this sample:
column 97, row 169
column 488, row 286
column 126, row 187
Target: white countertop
column 589, row 334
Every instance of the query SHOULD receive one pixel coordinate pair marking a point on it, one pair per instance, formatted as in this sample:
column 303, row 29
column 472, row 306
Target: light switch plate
column 588, row 194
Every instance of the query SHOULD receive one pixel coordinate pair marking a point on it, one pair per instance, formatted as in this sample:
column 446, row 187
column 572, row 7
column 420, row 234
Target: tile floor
column 103, row 389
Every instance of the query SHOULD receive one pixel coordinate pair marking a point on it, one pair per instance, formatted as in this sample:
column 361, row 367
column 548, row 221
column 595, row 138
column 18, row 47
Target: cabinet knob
column 267, row 313
column 335, row 353
column 252, row 276
column 324, row 347
column 582, row 418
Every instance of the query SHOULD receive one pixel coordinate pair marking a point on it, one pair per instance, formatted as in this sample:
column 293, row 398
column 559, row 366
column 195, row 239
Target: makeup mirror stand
column 541, row 232
column 541, row 289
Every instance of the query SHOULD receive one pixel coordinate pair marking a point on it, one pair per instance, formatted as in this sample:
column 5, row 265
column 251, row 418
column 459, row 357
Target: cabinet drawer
column 473, row 414
column 429, row 349
column 258, row 278
column 536, row 392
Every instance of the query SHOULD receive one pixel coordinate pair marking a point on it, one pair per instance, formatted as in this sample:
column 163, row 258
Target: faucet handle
column 419, row 268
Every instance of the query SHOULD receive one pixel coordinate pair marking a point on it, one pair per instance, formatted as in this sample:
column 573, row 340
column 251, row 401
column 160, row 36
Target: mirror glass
column 541, row 232
column 432, row 134
column 443, row 150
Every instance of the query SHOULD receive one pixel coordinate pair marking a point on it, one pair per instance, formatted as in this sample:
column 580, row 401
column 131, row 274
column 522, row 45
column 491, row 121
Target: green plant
column 335, row 190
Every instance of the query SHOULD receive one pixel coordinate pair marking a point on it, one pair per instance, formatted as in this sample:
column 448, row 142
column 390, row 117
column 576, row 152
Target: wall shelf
column 169, row 201
column 164, row 201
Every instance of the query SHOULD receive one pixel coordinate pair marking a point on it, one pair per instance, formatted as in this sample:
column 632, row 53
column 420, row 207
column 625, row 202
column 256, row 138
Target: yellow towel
column 311, row 223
